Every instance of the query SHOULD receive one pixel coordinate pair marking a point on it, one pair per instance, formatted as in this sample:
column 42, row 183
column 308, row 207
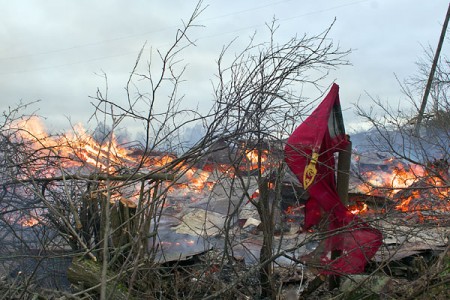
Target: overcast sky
column 53, row 50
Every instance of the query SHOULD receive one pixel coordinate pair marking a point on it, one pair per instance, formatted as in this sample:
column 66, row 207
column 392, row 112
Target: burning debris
column 387, row 184
column 382, row 179
column 202, row 202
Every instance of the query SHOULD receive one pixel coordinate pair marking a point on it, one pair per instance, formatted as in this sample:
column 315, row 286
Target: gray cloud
column 52, row 50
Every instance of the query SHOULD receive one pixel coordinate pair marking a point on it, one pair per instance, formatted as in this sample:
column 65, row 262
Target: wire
column 134, row 35
column 67, row 64
column 161, row 30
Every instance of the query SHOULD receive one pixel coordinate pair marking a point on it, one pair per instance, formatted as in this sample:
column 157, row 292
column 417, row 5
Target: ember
column 292, row 212
column 358, row 208
column 29, row 222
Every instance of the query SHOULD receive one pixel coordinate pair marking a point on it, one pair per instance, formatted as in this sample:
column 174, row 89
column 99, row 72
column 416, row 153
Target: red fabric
column 323, row 133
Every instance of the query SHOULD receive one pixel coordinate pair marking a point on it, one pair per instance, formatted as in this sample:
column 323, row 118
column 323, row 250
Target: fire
column 29, row 222
column 388, row 183
column 404, row 205
column 255, row 194
column 77, row 152
column 158, row 161
column 433, row 198
column 73, row 149
column 358, row 208
column 414, row 187
column 255, row 156
column 31, row 128
column 294, row 213
column 294, row 210
column 80, row 144
column 197, row 178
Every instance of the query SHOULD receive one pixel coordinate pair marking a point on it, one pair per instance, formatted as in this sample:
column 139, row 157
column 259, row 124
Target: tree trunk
column 266, row 271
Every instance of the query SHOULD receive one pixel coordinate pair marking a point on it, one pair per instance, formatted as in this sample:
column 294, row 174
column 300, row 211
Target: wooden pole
column 342, row 182
column 343, row 173
column 432, row 71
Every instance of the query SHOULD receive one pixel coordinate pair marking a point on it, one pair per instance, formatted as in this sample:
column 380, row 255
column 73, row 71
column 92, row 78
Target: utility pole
column 432, row 71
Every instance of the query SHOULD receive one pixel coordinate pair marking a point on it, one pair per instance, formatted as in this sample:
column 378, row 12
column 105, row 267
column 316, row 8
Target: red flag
column 309, row 153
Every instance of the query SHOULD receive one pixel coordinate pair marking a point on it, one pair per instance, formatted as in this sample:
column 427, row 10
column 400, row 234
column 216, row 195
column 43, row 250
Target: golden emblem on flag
column 310, row 171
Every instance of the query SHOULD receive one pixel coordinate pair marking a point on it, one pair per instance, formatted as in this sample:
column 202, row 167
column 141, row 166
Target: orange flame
column 413, row 186
column 379, row 183
column 73, row 149
column 358, row 208
column 294, row 211
column 28, row 222
column 78, row 152
column 255, row 156
column 404, row 205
